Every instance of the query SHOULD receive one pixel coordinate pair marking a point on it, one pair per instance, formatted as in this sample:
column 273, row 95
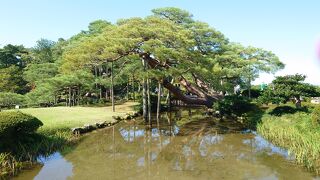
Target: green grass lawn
column 67, row 117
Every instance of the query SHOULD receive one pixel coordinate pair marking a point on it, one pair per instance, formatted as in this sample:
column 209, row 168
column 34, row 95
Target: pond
column 184, row 145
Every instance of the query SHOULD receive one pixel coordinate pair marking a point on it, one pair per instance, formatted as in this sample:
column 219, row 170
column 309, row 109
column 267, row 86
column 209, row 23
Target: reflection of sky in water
column 217, row 154
column 140, row 161
column 128, row 133
column 207, row 141
column 176, row 129
column 261, row 145
column 177, row 166
column 154, row 156
column 186, row 150
column 155, row 132
column 55, row 167
column 165, row 142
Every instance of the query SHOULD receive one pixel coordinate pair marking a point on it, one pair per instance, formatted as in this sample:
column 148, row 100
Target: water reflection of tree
column 197, row 150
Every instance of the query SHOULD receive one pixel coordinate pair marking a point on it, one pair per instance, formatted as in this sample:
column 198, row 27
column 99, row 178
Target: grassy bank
column 60, row 118
column 55, row 132
column 295, row 132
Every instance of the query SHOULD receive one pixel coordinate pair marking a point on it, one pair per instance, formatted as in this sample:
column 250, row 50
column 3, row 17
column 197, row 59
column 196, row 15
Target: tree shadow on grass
column 254, row 117
column 281, row 110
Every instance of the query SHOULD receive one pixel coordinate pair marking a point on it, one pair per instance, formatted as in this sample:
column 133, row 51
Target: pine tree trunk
column 203, row 97
column 178, row 94
column 100, row 96
column 298, row 102
column 133, row 93
column 69, row 96
column 221, row 83
column 159, row 102
column 144, row 100
column 55, row 99
column 112, row 90
column 149, row 100
column 144, row 95
column 95, row 75
column 100, row 70
column 249, row 88
column 66, row 100
column 110, row 93
column 107, row 97
column 168, row 98
column 128, row 89
column 73, row 97
column 78, row 95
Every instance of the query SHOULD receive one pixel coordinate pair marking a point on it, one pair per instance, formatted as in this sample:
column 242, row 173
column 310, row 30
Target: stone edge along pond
column 98, row 125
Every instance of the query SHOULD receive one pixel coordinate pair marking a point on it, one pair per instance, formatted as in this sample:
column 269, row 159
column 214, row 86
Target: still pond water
column 185, row 145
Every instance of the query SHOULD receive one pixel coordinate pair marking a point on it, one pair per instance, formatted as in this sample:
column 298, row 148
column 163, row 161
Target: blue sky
column 289, row 28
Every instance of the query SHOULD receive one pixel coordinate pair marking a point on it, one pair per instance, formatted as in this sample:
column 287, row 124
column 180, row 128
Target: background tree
column 289, row 87
column 8, row 99
column 12, row 61
column 259, row 61
column 11, row 55
column 11, row 80
column 39, row 72
column 43, row 51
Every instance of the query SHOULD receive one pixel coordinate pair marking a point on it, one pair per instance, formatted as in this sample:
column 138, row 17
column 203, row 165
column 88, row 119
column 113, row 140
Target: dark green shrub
column 14, row 124
column 233, row 105
column 315, row 116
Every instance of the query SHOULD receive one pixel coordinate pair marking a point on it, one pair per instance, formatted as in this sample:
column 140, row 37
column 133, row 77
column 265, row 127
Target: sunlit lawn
column 68, row 117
